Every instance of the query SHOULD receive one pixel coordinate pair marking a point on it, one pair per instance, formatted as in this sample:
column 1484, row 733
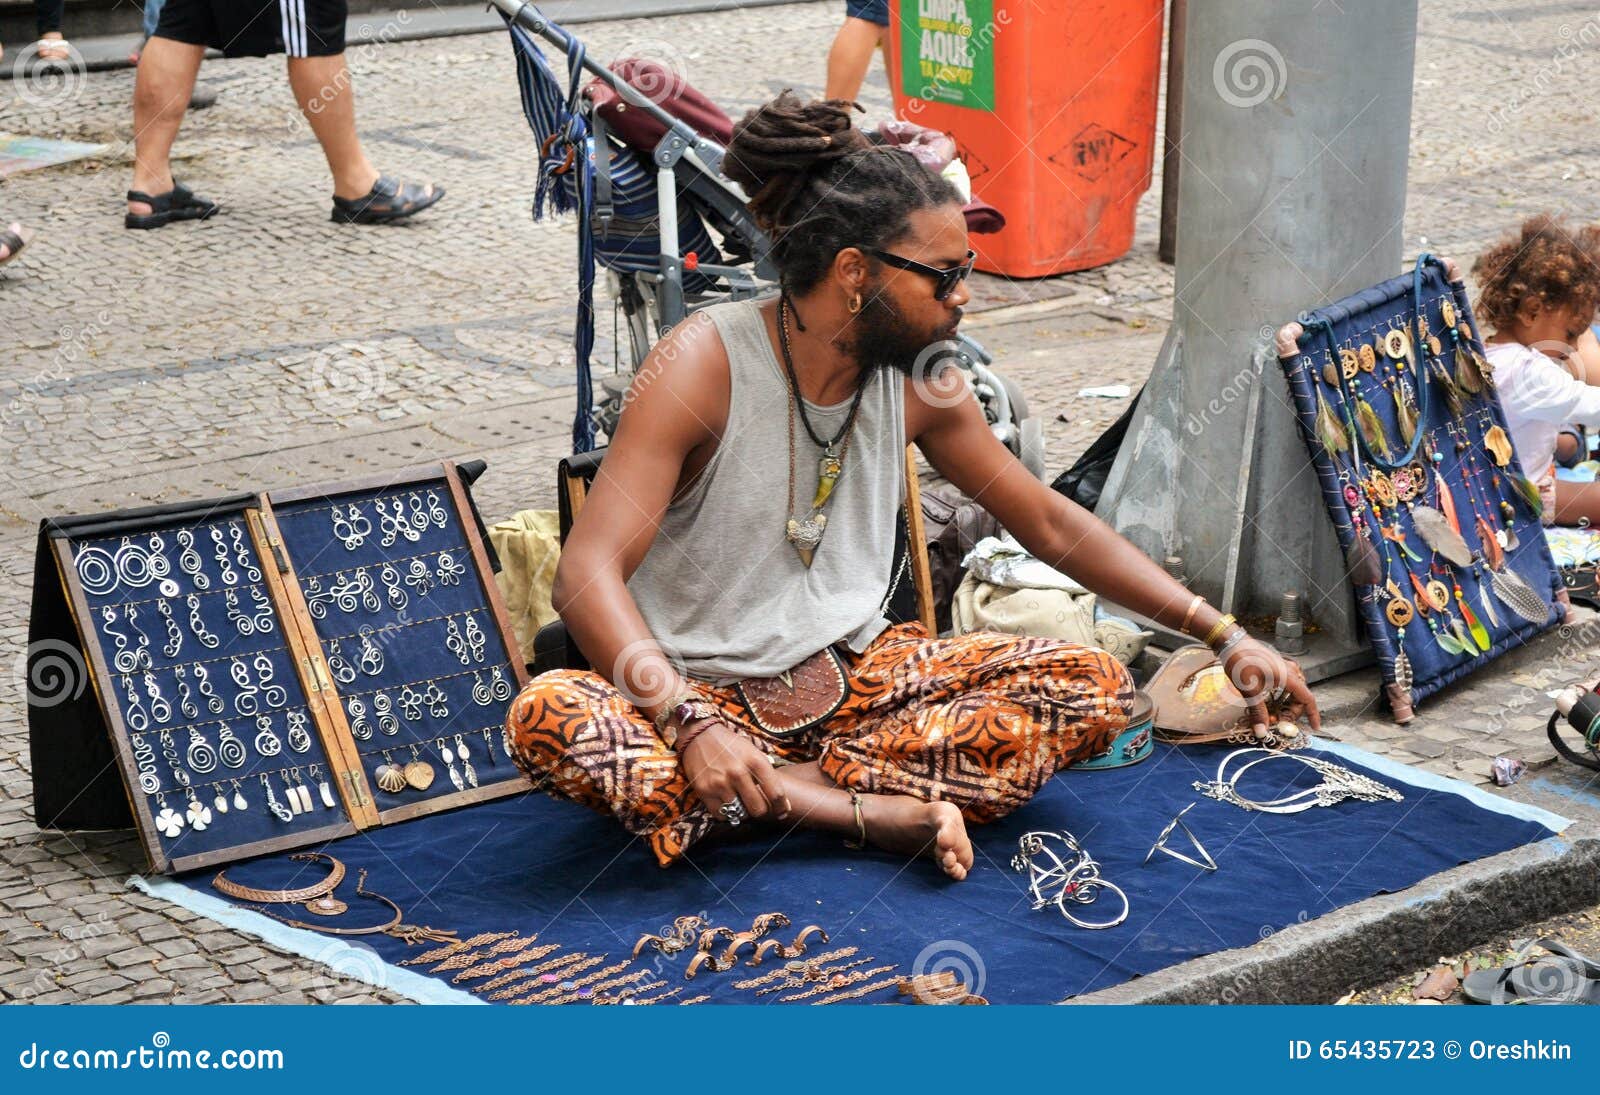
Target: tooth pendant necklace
column 806, row 533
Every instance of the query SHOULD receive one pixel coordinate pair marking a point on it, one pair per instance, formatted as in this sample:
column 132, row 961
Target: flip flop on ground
column 1563, row 977
column 178, row 204
column 388, row 201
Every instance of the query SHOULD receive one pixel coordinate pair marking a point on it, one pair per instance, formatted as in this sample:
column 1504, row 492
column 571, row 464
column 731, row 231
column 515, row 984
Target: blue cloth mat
column 538, row 865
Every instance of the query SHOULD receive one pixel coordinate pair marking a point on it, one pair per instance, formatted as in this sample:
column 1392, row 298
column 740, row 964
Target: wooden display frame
column 360, row 807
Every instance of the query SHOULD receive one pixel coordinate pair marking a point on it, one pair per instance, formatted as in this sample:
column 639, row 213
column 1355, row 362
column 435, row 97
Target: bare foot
column 900, row 823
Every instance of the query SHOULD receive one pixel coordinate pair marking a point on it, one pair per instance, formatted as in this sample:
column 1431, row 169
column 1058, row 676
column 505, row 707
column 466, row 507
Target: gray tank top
column 721, row 587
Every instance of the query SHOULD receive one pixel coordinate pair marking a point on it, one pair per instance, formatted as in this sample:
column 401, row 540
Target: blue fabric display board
column 1439, row 525
column 537, row 866
column 270, row 671
column 202, row 682
column 410, row 637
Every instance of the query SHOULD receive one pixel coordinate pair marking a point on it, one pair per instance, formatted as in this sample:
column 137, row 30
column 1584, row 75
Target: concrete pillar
column 1296, row 125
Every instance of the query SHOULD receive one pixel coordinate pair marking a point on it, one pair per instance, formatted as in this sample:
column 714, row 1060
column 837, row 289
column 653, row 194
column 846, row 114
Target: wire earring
column 854, row 304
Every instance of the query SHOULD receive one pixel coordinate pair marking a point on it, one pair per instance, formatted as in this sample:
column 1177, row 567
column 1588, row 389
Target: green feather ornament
column 1330, row 431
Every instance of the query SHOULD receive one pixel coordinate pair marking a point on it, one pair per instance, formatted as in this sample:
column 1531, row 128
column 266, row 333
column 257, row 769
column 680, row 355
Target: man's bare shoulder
column 684, row 375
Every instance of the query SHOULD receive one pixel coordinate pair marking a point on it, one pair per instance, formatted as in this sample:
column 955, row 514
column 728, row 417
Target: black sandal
column 388, row 201
column 178, row 204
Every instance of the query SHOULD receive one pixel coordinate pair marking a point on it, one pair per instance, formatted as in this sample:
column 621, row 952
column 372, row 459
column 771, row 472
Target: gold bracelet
column 835, row 982
column 815, row 973
column 516, row 974
column 462, row 960
column 1188, row 617
column 500, row 965
column 538, row 971
column 795, row 968
column 694, row 1000
column 1224, row 622
column 625, row 980
column 864, row 990
column 556, row 989
column 440, row 953
column 571, row 989
column 655, row 999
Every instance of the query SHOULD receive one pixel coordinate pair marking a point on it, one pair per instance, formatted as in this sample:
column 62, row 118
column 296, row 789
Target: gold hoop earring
column 854, row 304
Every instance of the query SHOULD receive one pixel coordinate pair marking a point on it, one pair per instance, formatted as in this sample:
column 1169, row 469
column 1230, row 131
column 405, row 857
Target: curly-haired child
column 1539, row 290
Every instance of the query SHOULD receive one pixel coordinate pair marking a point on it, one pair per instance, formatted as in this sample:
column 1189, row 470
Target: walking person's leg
column 858, row 39
column 166, row 73
column 47, row 18
column 320, row 79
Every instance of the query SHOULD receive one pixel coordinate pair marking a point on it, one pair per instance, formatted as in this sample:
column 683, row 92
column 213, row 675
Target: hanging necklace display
column 189, row 560
column 174, row 632
column 202, row 681
column 278, row 809
column 806, row 533
column 229, row 748
column 200, row 756
column 267, row 743
column 418, row 773
column 197, row 625
column 389, row 776
column 382, row 706
column 144, row 758
column 299, row 736
column 97, row 574
column 186, row 700
column 220, row 554
column 1337, row 785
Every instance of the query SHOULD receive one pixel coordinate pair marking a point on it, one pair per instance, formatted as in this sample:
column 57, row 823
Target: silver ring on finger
column 733, row 811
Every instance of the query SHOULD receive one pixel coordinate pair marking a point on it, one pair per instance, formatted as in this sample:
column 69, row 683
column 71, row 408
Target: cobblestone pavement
column 269, row 347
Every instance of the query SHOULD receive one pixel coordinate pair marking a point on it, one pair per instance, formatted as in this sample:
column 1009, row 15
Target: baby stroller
column 651, row 196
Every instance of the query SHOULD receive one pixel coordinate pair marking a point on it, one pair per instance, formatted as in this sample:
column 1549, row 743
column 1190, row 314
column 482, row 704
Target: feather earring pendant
column 1361, row 562
column 1493, row 554
column 1447, row 387
column 1436, row 532
column 1529, row 494
column 1329, row 430
column 1447, row 505
column 1371, row 427
column 1488, row 606
column 1402, row 671
column 1467, row 376
column 1448, row 643
column 1405, row 414
column 1517, row 595
column 1479, row 633
column 1466, row 644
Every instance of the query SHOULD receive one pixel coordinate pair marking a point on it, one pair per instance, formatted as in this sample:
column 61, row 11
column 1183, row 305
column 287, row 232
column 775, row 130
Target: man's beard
column 880, row 336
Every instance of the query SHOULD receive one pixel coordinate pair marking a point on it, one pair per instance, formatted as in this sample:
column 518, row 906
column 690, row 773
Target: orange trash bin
column 1053, row 107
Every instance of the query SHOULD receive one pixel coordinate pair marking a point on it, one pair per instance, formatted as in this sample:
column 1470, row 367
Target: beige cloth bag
column 529, row 546
column 1042, row 613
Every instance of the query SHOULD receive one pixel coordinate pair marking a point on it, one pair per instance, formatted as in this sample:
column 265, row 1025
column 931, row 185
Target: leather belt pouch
column 799, row 699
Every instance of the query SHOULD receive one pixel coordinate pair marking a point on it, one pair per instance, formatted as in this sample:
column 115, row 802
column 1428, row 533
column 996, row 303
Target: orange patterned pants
column 980, row 720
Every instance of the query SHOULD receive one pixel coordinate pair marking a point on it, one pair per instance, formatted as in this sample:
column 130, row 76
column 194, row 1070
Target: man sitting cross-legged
column 744, row 520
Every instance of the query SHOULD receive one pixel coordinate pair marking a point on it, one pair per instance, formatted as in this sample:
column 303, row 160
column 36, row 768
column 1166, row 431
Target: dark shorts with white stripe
column 256, row 28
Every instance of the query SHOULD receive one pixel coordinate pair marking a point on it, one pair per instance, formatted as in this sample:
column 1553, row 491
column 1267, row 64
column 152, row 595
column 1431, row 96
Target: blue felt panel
column 216, row 716
column 405, row 624
column 537, row 865
column 1449, row 451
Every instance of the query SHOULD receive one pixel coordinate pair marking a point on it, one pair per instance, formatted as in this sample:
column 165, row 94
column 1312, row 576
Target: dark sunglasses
column 945, row 280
